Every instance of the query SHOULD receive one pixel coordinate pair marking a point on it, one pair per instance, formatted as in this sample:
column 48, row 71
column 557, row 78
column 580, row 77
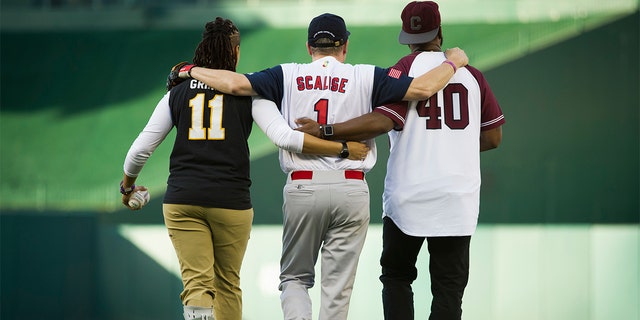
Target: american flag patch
column 394, row 73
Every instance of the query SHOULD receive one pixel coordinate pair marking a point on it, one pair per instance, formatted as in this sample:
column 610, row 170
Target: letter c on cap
column 415, row 23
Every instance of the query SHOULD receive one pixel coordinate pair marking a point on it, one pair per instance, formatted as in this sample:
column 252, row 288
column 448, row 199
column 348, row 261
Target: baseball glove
column 178, row 74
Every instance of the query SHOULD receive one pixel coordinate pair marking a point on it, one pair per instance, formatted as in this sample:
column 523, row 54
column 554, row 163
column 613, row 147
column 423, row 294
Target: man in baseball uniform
column 432, row 186
column 326, row 200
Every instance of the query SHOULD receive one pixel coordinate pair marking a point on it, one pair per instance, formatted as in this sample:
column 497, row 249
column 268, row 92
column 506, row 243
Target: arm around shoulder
column 224, row 81
column 269, row 119
column 364, row 127
column 431, row 82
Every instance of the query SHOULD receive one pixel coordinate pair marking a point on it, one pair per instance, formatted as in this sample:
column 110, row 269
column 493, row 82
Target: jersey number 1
column 322, row 109
column 197, row 130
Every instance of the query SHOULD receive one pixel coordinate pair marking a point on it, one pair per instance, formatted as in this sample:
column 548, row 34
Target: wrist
column 185, row 71
column 126, row 190
column 344, row 153
column 326, row 131
column 453, row 65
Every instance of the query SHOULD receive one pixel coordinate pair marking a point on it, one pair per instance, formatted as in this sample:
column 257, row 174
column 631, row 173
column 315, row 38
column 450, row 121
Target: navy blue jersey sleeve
column 389, row 86
column 268, row 83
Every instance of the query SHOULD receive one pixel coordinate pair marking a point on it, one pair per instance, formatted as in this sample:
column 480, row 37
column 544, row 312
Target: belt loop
column 354, row 174
column 297, row 175
column 308, row 175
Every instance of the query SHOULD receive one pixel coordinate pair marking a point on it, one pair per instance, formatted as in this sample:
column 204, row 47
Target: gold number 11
column 215, row 130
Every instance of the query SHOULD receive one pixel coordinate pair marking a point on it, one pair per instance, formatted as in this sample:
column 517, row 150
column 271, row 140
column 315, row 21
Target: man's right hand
column 457, row 56
column 357, row 150
column 178, row 74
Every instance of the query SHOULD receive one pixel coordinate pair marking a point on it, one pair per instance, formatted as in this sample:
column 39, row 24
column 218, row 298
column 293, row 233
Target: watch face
column 328, row 130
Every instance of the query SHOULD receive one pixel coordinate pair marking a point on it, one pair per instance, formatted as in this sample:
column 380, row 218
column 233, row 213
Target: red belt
column 348, row 174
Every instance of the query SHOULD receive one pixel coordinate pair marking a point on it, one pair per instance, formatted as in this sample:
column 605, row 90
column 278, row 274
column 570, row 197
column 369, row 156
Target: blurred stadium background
column 559, row 234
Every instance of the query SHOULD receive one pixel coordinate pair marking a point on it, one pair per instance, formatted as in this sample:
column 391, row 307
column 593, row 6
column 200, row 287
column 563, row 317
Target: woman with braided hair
column 220, row 41
column 207, row 205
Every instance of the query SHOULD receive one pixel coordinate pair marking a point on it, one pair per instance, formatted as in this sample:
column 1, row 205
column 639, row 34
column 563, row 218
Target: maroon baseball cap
column 420, row 22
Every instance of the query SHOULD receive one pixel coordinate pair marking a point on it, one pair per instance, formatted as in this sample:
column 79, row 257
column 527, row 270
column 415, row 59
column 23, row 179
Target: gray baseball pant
column 325, row 212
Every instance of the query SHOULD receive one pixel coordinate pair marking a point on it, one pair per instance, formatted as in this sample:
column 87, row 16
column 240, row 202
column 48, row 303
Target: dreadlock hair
column 216, row 49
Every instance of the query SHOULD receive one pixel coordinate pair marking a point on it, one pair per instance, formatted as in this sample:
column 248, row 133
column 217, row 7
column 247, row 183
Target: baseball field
column 559, row 232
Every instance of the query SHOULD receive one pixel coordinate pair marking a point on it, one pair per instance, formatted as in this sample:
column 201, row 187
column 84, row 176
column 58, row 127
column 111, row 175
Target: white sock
column 198, row 313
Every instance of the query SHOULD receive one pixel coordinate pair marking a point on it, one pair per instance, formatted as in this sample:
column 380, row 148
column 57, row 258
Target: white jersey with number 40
column 432, row 186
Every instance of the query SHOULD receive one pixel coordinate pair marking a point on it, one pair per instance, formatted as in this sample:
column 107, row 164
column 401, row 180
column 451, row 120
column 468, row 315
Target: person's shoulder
column 409, row 58
column 361, row 65
column 180, row 89
column 475, row 72
column 472, row 69
column 404, row 63
column 363, row 68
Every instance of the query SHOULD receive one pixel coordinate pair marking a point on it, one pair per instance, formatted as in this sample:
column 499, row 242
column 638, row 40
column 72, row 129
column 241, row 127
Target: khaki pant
column 210, row 244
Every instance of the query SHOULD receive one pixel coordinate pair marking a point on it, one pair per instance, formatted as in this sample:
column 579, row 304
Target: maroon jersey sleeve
column 491, row 115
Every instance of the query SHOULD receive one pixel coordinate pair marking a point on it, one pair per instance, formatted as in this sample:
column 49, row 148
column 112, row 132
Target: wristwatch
column 326, row 130
column 345, row 151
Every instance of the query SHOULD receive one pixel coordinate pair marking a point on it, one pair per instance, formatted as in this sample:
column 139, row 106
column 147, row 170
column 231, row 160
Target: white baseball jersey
column 432, row 186
column 327, row 91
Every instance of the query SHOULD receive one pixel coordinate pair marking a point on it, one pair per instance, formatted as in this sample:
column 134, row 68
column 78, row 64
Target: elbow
column 418, row 94
column 426, row 93
column 292, row 141
column 382, row 127
column 239, row 85
column 495, row 142
column 241, row 91
column 490, row 145
column 491, row 139
column 230, row 85
column 285, row 145
column 420, row 89
column 380, row 124
column 235, row 90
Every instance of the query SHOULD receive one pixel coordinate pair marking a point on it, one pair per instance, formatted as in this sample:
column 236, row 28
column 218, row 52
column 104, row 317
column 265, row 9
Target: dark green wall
column 68, row 267
column 571, row 141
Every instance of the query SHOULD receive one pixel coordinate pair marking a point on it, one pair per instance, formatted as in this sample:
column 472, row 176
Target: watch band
column 344, row 153
column 326, row 130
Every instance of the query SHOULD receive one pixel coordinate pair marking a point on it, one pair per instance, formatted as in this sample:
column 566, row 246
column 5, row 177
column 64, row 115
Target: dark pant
column 448, row 267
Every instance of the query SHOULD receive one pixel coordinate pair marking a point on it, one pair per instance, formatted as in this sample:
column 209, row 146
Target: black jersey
column 209, row 164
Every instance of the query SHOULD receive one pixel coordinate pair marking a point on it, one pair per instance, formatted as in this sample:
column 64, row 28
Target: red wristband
column 187, row 68
column 453, row 65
